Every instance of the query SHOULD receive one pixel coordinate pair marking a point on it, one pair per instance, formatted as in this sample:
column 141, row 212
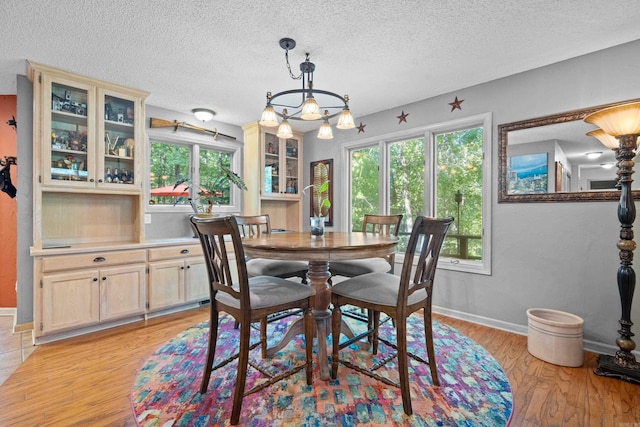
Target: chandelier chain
column 286, row 55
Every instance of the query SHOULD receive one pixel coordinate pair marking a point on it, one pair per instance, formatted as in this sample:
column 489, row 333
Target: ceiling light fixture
column 594, row 154
column 305, row 103
column 203, row 114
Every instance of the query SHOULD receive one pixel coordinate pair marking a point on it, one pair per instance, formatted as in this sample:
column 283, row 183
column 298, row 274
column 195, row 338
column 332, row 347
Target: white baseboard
column 8, row 311
column 588, row 345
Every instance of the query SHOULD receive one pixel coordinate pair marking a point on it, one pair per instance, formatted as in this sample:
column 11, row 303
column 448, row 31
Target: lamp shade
column 310, row 109
column 284, row 130
column 269, row 117
column 619, row 120
column 203, row 114
column 325, row 131
column 606, row 139
column 345, row 120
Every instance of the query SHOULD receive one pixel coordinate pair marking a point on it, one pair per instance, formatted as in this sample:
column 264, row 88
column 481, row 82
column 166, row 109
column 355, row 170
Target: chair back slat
column 214, row 235
column 381, row 224
column 425, row 241
column 253, row 225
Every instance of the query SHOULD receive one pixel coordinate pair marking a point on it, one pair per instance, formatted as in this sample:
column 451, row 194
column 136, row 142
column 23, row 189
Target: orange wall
column 8, row 207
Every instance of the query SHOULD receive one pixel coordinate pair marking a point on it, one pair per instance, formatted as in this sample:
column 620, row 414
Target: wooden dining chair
column 378, row 224
column 249, row 300
column 397, row 297
column 257, row 225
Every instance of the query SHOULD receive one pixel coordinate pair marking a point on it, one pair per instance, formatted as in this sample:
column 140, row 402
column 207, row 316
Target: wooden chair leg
column 336, row 324
column 211, row 351
column 428, row 335
column 403, row 365
column 308, row 342
column 376, row 326
column 241, row 377
column 263, row 337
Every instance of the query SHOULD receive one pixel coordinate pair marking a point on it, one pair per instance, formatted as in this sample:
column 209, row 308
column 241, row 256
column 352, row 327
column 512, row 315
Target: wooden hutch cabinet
column 88, row 200
column 277, row 189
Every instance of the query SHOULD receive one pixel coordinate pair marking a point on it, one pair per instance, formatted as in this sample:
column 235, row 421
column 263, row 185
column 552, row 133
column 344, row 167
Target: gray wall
column 24, row 196
column 549, row 255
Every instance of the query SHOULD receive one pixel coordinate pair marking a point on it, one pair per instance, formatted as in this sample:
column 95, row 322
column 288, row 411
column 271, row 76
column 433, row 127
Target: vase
column 317, row 226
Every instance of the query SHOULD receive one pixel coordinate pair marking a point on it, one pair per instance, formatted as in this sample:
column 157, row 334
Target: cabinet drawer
column 96, row 259
column 172, row 252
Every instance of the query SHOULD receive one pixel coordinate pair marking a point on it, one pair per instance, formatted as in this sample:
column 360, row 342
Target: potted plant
column 211, row 192
column 321, row 205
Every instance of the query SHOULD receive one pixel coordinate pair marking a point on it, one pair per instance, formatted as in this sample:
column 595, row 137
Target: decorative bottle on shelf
column 108, row 177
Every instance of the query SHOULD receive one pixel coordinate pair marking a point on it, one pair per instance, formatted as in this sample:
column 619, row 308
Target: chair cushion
column 270, row 267
column 375, row 288
column 359, row 266
column 267, row 291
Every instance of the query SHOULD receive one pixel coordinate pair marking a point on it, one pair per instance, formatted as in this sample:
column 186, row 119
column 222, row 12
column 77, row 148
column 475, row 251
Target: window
column 186, row 175
column 441, row 170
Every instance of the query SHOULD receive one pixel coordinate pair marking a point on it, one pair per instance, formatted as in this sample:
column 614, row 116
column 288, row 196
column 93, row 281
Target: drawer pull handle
column 99, row 259
column 95, row 279
column 184, row 251
column 104, row 278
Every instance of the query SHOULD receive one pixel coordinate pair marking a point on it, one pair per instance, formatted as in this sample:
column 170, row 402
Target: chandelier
column 307, row 103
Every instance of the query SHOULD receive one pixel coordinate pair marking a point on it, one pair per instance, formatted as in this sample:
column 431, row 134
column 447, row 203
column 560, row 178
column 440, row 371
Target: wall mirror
column 550, row 159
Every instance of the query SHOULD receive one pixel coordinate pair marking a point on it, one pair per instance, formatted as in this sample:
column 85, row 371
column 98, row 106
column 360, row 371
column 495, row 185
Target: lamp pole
column 619, row 129
column 623, row 364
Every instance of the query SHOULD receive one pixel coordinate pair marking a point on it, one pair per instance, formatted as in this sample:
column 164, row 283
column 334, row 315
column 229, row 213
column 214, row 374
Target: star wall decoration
column 456, row 104
column 402, row 117
column 361, row 128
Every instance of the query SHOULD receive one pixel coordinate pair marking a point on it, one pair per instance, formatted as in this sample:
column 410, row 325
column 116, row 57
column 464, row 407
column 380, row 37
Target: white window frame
column 233, row 148
column 429, row 134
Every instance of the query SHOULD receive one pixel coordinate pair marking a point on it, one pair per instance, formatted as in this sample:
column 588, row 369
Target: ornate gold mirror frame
column 503, row 142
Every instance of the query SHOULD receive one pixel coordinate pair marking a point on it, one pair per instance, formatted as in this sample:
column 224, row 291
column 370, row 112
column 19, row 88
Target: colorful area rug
column 474, row 390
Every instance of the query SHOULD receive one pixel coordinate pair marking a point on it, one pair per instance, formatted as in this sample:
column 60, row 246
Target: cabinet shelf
column 63, row 116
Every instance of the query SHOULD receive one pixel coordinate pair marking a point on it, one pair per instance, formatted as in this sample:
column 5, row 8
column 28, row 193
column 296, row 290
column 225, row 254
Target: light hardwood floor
column 86, row 381
column 14, row 348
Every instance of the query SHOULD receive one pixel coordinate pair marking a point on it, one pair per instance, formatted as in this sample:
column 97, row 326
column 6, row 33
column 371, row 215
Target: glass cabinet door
column 116, row 140
column 271, row 178
column 69, row 123
column 291, row 160
column 281, row 167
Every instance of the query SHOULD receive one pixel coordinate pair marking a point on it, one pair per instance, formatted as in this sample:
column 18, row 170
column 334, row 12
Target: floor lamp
column 620, row 129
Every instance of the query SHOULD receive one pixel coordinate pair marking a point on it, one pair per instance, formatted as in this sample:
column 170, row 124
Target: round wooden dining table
column 319, row 251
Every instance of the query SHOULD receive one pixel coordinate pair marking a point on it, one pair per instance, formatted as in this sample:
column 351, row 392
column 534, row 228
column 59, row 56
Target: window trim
column 429, row 133
column 234, row 148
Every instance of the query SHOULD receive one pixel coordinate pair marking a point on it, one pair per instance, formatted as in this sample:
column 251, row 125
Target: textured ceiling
column 224, row 55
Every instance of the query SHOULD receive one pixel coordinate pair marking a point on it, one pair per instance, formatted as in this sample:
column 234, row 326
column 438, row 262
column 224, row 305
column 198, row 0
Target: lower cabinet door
column 69, row 300
column 166, row 283
column 197, row 281
column 122, row 291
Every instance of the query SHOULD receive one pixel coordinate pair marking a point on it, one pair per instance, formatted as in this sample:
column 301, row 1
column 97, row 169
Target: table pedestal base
column 318, row 276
